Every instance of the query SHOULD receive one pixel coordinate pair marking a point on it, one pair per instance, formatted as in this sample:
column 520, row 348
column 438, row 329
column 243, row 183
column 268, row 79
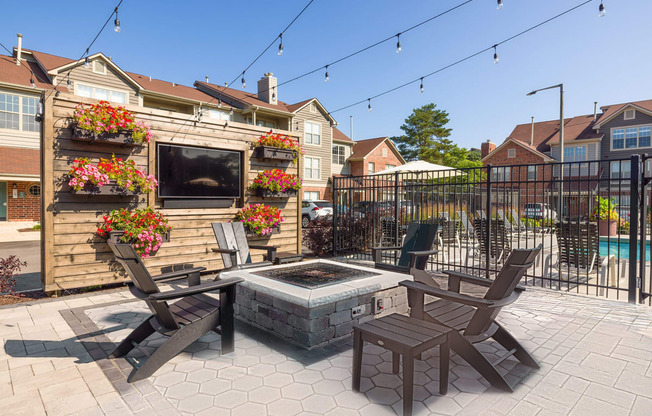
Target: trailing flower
column 280, row 141
column 125, row 173
column 143, row 228
column 276, row 181
column 604, row 209
column 103, row 118
column 259, row 219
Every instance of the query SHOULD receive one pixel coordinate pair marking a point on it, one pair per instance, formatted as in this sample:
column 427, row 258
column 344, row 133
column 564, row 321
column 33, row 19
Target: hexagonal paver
column 318, row 403
column 169, row 379
column 344, row 362
column 328, row 387
column 249, row 409
column 246, row 361
column 215, row 386
column 442, row 405
column 232, row 373
column 469, row 385
column 261, row 370
column 182, row 390
column 247, row 383
column 273, row 358
column 202, row 375
column 278, row 380
column 342, row 412
column 259, row 351
column 381, row 395
column 265, row 394
column 336, row 373
column 390, row 381
column 230, row 399
column 308, row 376
column 297, row 391
column 351, row 400
column 289, row 367
column 284, row 407
column 195, row 403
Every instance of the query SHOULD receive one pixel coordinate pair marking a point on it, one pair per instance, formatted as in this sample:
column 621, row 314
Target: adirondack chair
column 474, row 318
column 469, row 231
column 235, row 249
column 501, row 244
column 419, row 238
column 184, row 321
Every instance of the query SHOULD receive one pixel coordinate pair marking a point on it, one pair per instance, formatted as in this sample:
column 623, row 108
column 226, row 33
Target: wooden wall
column 73, row 256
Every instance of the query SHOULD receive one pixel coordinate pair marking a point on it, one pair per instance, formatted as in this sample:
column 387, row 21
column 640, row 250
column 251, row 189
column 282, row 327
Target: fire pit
column 315, row 275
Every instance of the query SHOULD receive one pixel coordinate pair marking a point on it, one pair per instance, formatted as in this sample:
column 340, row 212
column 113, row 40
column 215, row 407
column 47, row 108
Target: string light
column 219, row 103
column 231, row 111
column 369, row 104
column 326, row 77
column 274, row 94
column 244, row 84
column 87, row 63
column 280, row 45
column 496, row 55
column 116, row 22
column 421, row 88
column 68, row 82
column 31, row 82
column 398, row 43
column 602, row 10
column 500, row 4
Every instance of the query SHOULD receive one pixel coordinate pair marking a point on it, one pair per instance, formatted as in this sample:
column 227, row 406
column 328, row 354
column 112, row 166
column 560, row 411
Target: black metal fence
column 591, row 218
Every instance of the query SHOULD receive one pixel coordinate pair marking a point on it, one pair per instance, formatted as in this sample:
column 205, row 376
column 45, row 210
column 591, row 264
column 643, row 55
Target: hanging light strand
column 280, row 45
column 116, row 22
column 398, row 43
column 602, row 11
column 495, row 54
column 480, row 52
column 500, row 4
column 32, row 76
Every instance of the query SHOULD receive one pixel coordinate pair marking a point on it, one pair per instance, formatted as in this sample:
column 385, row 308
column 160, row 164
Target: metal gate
column 585, row 214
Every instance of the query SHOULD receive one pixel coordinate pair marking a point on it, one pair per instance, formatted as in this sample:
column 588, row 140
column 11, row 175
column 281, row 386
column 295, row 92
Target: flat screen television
column 198, row 172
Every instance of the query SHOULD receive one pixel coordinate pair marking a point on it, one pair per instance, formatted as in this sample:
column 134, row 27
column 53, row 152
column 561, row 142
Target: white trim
column 599, row 124
column 95, row 71
column 344, row 155
column 611, row 137
column 20, row 131
column 633, row 114
column 328, row 115
column 20, row 178
column 545, row 157
column 311, row 168
column 95, row 86
column 56, row 71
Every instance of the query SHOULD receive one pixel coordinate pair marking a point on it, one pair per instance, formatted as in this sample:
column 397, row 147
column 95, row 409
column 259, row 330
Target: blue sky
column 599, row 59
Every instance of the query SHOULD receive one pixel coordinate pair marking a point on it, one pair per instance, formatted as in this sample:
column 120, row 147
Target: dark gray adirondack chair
column 419, row 238
column 184, row 321
column 235, row 249
column 474, row 318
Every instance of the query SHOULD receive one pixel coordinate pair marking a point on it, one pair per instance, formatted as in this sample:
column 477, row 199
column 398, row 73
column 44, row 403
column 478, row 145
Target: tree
column 426, row 138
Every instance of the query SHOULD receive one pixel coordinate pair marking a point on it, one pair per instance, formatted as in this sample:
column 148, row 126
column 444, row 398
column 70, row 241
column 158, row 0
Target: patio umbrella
column 422, row 166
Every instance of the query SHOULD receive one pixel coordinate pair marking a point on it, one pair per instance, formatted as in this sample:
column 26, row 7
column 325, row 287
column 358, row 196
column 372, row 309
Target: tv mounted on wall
column 186, row 172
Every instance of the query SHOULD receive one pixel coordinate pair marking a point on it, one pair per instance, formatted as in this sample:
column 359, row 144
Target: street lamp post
column 561, row 140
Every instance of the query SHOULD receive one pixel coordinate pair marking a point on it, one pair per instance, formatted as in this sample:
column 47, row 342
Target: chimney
column 595, row 110
column 267, row 90
column 532, row 133
column 207, row 79
column 486, row 148
column 19, row 52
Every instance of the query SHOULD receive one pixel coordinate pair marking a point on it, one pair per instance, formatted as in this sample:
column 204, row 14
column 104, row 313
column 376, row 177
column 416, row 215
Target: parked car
column 539, row 211
column 311, row 210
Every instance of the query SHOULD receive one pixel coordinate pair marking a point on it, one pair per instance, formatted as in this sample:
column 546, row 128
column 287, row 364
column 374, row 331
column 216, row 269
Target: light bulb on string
column 602, row 10
column 244, row 84
column 274, row 94
column 87, row 63
column 421, row 87
column 496, row 55
column 219, row 103
column 500, row 4
column 369, row 104
column 68, row 82
column 31, row 82
column 398, row 43
column 326, row 77
column 231, row 111
column 116, row 22
column 280, row 45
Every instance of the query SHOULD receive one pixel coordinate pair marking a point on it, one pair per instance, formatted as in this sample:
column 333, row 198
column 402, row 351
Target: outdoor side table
column 404, row 336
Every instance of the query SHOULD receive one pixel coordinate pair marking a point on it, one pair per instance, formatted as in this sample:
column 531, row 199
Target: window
column 311, row 168
column 631, row 137
column 620, row 170
column 99, row 67
column 34, row 190
column 388, row 166
column 575, row 154
column 511, row 153
column 313, row 133
column 372, row 168
column 630, row 114
column 220, row 115
column 310, row 196
column 17, row 112
column 101, row 93
column 265, row 123
column 532, row 173
column 313, row 107
column 501, row 173
column 339, row 155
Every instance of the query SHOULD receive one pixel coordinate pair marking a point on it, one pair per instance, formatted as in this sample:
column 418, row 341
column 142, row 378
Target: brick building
column 374, row 155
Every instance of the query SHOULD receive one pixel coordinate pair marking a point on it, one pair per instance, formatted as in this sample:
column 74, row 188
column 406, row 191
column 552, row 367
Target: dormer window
column 511, row 153
column 630, row 114
column 99, row 67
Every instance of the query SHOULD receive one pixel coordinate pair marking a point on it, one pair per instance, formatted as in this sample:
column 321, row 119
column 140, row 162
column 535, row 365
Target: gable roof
column 546, row 133
column 611, row 111
column 169, row 88
column 362, row 148
column 242, row 96
column 340, row 137
column 527, row 147
column 20, row 75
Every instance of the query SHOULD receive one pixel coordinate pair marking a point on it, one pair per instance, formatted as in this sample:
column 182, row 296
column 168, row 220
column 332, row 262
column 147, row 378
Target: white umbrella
column 422, row 166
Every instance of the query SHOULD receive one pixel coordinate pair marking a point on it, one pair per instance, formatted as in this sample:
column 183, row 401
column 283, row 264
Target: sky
column 606, row 59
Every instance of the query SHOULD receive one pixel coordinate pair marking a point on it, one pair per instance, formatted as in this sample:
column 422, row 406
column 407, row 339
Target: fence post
column 487, row 254
column 397, row 212
column 335, row 212
column 633, row 230
column 643, row 230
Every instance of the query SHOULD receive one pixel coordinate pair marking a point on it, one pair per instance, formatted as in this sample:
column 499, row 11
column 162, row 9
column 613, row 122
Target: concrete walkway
column 29, row 252
column 9, row 231
column 595, row 360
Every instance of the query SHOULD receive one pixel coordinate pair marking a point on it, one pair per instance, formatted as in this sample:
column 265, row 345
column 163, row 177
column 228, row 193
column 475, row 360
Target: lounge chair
column 473, row 317
column 235, row 249
column 481, row 214
column 448, row 235
column 516, row 220
column 419, row 238
column 469, row 231
column 184, row 321
column 500, row 245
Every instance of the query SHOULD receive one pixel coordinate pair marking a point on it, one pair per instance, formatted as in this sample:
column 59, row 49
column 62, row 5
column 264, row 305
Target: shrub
column 102, row 118
column 605, row 209
column 259, row 219
column 318, row 237
column 143, row 228
column 9, row 269
column 37, row 227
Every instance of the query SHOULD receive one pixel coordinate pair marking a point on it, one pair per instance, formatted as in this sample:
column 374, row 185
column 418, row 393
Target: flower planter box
column 264, row 193
column 108, row 189
column 268, row 152
column 121, row 138
column 114, row 237
column 251, row 234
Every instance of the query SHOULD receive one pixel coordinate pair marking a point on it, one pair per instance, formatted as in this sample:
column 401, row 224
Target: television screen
column 198, row 172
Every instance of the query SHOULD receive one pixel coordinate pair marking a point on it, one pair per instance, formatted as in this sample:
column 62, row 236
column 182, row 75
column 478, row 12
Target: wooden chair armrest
column 447, row 295
column 254, row 265
column 271, row 251
column 178, row 274
column 414, row 255
column 225, row 250
column 454, row 278
column 387, row 248
column 194, row 290
column 377, row 253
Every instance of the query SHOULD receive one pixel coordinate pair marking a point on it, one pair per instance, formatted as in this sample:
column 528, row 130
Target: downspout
column 532, row 133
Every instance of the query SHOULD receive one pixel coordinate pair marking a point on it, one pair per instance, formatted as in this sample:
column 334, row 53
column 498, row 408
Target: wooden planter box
column 251, row 234
column 114, row 237
column 264, row 193
column 268, row 152
column 109, row 189
column 122, row 138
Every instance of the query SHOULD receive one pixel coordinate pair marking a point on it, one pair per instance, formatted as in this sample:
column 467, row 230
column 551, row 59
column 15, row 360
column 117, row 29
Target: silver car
column 311, row 210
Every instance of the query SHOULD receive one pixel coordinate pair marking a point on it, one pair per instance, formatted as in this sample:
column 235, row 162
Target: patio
column 595, row 360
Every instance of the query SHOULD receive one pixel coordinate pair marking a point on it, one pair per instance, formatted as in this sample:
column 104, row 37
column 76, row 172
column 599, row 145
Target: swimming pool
column 620, row 251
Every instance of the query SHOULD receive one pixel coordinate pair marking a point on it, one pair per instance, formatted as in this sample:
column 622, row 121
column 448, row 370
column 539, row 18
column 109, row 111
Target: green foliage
column 604, row 209
column 426, row 138
column 37, row 227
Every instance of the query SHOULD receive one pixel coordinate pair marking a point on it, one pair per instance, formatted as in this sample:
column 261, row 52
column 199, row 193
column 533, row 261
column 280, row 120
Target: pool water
column 621, row 251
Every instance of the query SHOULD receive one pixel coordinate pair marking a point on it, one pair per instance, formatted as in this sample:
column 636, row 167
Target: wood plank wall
column 74, row 256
